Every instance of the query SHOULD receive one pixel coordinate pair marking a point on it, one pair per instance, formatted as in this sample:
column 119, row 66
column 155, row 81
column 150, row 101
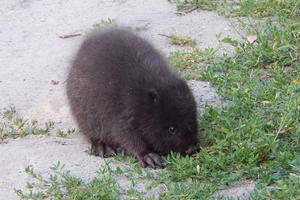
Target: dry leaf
column 198, row 170
column 70, row 36
column 251, row 38
column 295, row 175
column 247, row 90
column 54, row 82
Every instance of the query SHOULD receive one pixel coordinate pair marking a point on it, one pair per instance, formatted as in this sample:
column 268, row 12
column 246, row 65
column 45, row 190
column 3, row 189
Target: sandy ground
column 32, row 55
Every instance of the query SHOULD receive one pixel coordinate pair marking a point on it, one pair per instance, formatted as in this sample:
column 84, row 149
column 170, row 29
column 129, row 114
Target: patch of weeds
column 202, row 4
column 180, row 40
column 120, row 156
column 281, row 189
column 13, row 126
column 243, row 8
column 284, row 187
column 142, row 27
column 62, row 185
column 190, row 63
column 257, row 134
column 187, row 190
column 102, row 25
column 64, row 134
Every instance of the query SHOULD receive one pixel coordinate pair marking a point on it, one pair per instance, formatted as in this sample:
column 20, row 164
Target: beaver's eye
column 172, row 130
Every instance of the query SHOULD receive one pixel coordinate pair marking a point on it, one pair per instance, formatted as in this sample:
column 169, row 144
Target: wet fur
column 124, row 95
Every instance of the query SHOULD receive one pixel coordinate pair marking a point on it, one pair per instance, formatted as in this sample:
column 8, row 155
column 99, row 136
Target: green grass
column 285, row 188
column 181, row 40
column 62, row 185
column 191, row 63
column 112, row 23
column 64, row 134
column 108, row 23
column 12, row 126
column 243, row 8
column 255, row 135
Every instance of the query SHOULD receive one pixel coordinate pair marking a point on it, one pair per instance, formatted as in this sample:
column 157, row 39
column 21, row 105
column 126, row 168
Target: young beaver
column 124, row 95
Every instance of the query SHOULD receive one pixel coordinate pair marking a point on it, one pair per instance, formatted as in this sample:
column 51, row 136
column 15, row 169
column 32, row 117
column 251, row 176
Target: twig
column 187, row 11
column 168, row 36
column 70, row 36
column 191, row 10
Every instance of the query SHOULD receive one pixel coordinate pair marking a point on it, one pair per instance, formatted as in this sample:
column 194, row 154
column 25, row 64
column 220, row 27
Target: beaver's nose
column 191, row 149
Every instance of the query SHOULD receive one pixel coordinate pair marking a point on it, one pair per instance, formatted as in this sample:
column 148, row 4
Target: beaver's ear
column 153, row 96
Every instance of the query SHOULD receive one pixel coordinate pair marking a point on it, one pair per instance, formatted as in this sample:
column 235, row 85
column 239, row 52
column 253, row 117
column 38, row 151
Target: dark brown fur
column 124, row 95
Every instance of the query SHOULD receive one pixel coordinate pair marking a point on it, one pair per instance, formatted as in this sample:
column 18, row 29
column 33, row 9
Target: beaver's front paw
column 103, row 150
column 150, row 160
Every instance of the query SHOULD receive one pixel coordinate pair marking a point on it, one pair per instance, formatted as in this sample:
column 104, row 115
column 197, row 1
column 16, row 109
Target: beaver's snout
column 191, row 150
